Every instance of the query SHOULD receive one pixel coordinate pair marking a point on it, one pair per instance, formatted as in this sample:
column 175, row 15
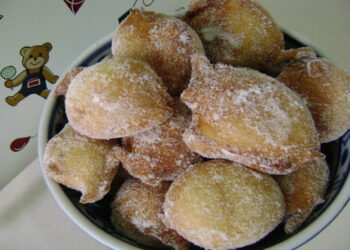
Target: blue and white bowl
column 94, row 219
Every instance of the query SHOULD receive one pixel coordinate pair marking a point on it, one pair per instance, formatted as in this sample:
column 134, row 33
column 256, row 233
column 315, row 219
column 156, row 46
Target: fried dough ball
column 327, row 90
column 116, row 98
column 165, row 42
column 238, row 32
column 303, row 190
column 141, row 205
column 80, row 163
column 62, row 87
column 242, row 115
column 159, row 154
column 127, row 229
column 220, row 204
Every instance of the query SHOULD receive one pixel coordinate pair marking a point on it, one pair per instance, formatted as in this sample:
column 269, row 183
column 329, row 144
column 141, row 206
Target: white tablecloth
column 31, row 219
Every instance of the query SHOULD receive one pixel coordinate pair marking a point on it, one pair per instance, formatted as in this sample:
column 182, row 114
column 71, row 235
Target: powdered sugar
column 210, row 33
column 326, row 88
column 237, row 32
column 303, row 190
column 185, row 38
column 165, row 42
column 219, row 205
column 141, row 205
column 80, row 163
column 116, row 97
column 159, row 154
column 224, row 98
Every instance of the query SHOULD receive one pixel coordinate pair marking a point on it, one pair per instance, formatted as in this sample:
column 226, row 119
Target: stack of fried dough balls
column 215, row 152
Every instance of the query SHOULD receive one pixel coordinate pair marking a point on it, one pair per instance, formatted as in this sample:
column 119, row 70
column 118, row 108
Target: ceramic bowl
column 94, row 218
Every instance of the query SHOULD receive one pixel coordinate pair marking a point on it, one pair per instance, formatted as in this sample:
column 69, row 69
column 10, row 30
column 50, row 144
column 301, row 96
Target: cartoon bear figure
column 33, row 78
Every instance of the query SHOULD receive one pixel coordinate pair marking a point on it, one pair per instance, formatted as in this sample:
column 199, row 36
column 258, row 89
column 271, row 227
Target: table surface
column 34, row 22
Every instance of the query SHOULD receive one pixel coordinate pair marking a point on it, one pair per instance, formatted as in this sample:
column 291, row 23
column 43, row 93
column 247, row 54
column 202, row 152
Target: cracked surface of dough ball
column 242, row 115
column 159, row 154
column 303, row 190
column 141, row 205
column 165, row 42
column 80, row 163
column 327, row 90
column 220, row 204
column 238, row 32
column 116, row 98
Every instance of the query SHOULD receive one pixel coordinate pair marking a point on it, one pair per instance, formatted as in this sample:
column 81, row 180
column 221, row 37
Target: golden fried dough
column 165, row 42
column 127, row 229
column 158, row 154
column 303, row 190
column 220, row 204
column 141, row 205
column 80, row 163
column 242, row 115
column 238, row 32
column 62, row 86
column 116, row 98
column 327, row 90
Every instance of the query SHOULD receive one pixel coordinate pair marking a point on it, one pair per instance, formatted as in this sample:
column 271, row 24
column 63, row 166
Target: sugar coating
column 165, row 42
column 237, row 32
column 141, row 205
column 124, row 226
column 127, row 229
column 220, row 204
column 270, row 139
column 159, row 154
column 62, row 87
column 242, row 115
column 303, row 190
column 116, row 98
column 326, row 88
column 80, row 163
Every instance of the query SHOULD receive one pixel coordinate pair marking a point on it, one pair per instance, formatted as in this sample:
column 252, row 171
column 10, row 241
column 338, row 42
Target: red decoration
column 19, row 143
column 74, row 5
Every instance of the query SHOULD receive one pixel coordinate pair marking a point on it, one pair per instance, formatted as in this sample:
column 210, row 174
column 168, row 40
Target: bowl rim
column 297, row 240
